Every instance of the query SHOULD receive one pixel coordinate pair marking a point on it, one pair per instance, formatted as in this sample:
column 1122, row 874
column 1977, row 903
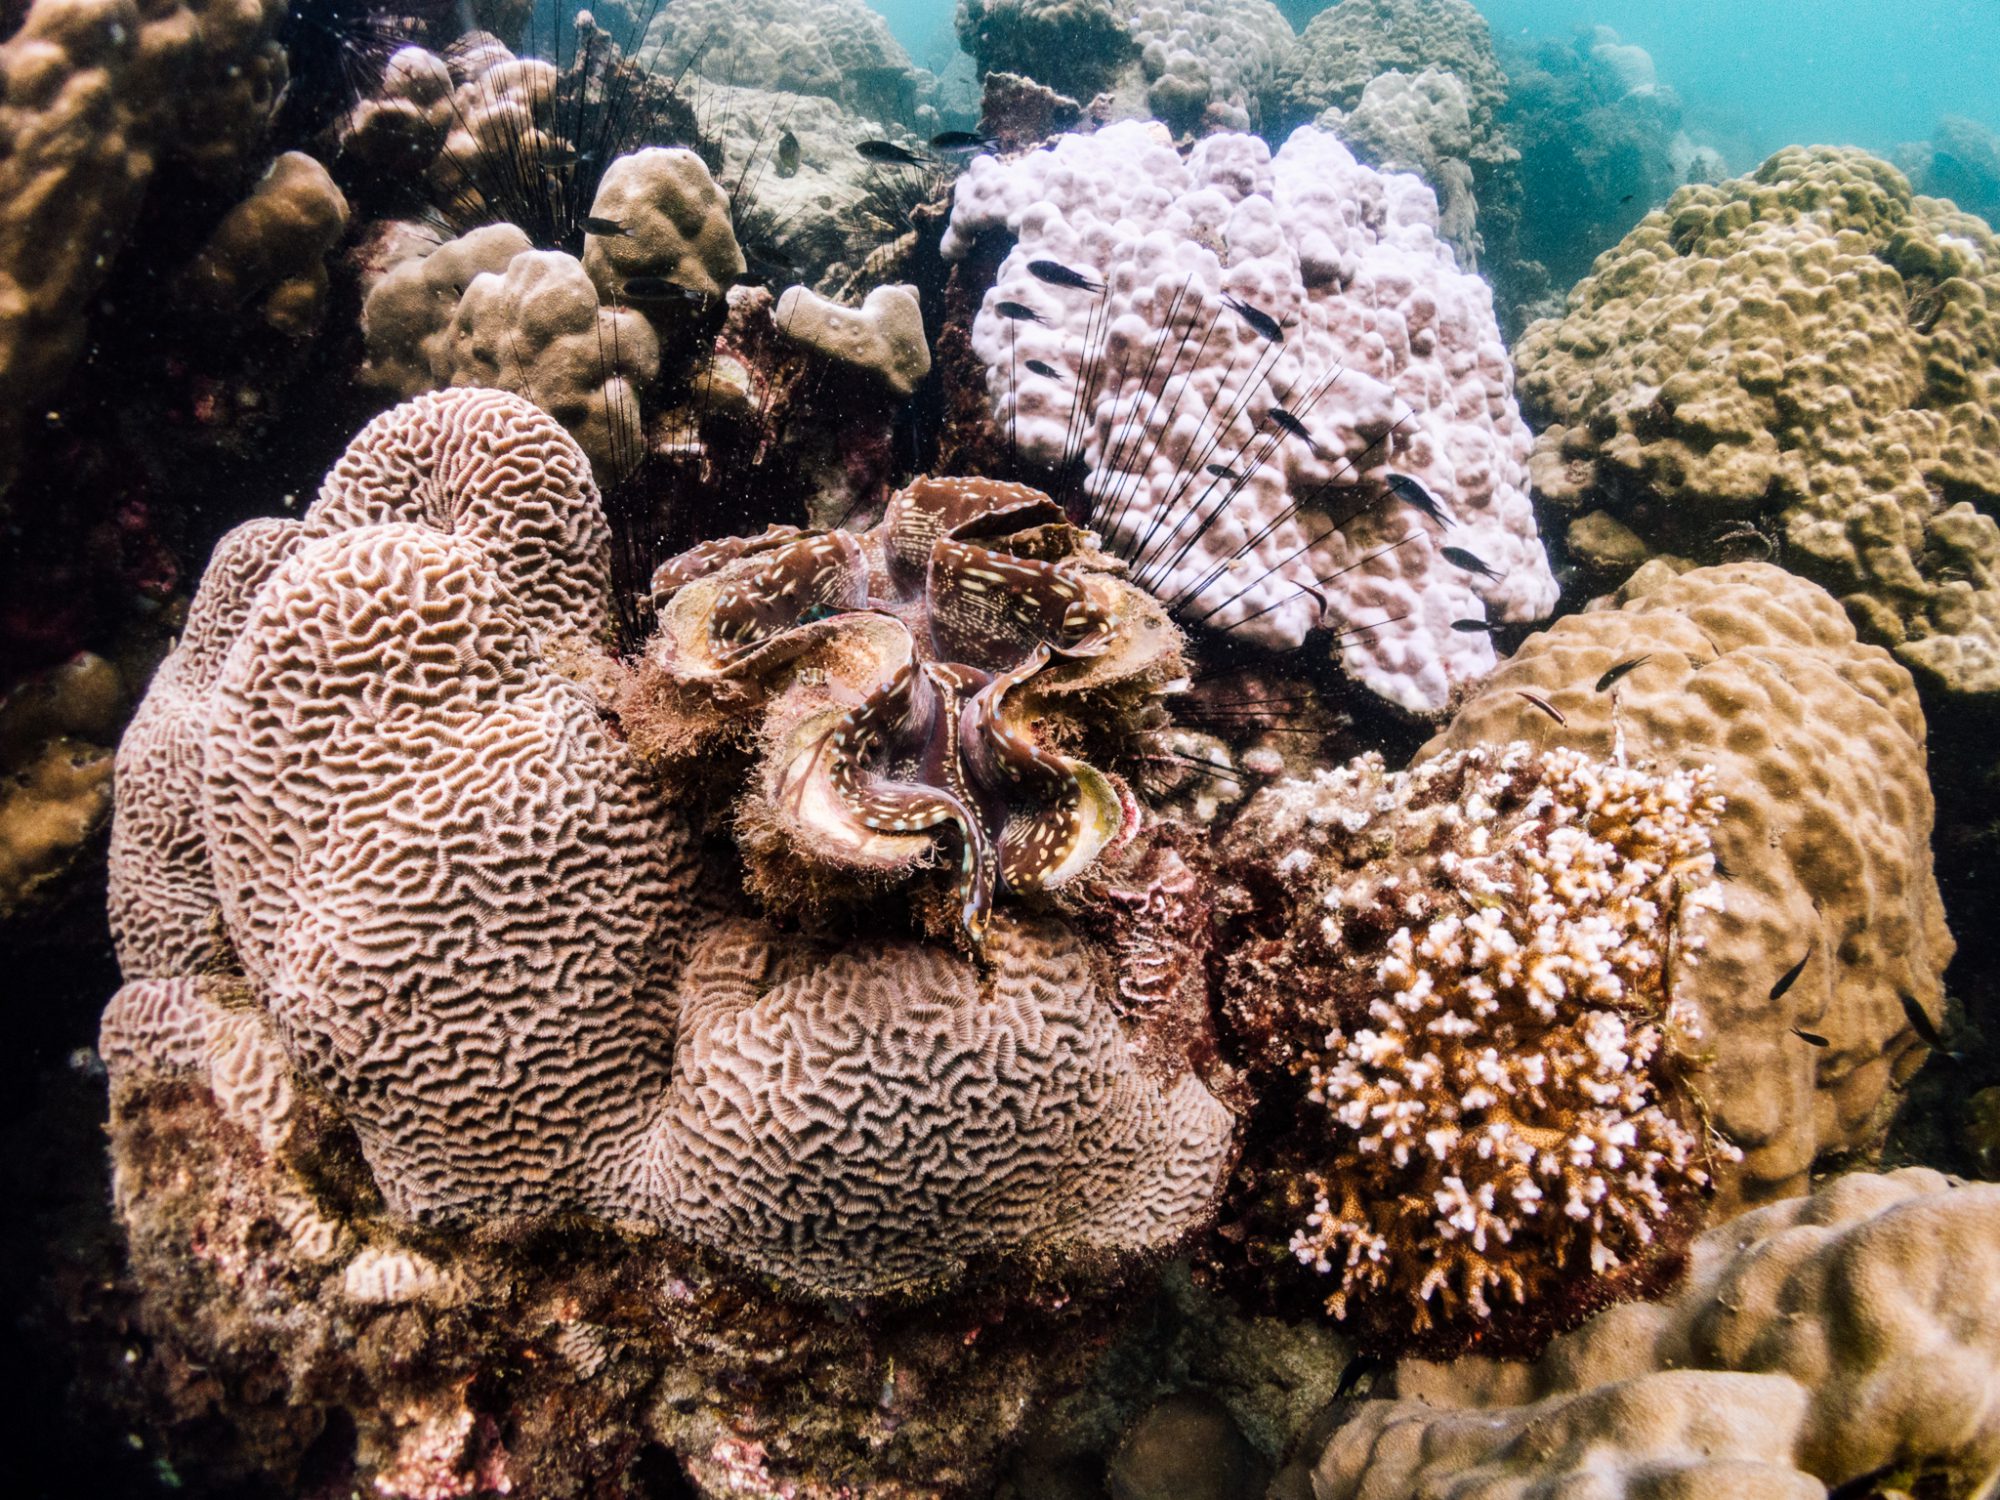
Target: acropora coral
column 1461, row 983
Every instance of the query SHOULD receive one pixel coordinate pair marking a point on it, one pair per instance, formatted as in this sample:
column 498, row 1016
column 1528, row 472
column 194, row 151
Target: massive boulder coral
column 1463, row 989
column 1293, row 322
column 1419, row 123
column 1831, row 936
column 672, row 223
column 1805, row 359
column 271, row 249
column 55, row 778
column 1841, row 1343
column 840, row 49
column 93, row 97
column 1348, row 45
column 487, row 309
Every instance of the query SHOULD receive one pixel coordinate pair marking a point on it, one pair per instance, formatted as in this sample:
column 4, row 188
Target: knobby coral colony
column 922, row 675
column 1468, row 971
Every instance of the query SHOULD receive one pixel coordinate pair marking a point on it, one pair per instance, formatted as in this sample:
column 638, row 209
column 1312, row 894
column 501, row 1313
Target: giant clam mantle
column 933, row 675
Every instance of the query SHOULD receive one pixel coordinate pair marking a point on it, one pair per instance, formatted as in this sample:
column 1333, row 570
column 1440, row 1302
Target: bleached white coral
column 1385, row 358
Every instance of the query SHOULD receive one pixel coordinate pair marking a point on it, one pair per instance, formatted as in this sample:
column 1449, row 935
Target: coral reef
column 839, row 49
column 1830, row 935
column 1472, row 972
column 906, row 682
column 271, row 249
column 672, row 223
column 1375, row 358
column 1076, row 47
column 1841, row 1343
column 1961, row 161
column 488, row 310
column 884, row 336
column 1803, row 359
column 97, row 96
column 55, row 777
column 1419, row 123
column 1348, row 45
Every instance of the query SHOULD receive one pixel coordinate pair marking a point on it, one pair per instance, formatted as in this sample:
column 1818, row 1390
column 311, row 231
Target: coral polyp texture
column 1468, row 971
column 1804, row 358
column 1258, row 345
column 1841, row 1343
column 929, row 678
column 1348, row 45
column 874, row 1118
column 1831, row 934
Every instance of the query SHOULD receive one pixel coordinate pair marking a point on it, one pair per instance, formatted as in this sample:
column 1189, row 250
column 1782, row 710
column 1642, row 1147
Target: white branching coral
column 1475, row 985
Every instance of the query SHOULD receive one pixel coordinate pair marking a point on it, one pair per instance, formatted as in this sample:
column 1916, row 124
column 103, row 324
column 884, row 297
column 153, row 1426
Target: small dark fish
column 1055, row 273
column 1921, row 1025
column 890, row 153
column 1861, row 1486
column 1223, row 471
column 608, row 229
column 788, row 155
column 1289, row 423
column 961, row 140
column 1472, row 562
column 1810, row 1038
column 1790, row 977
column 1628, row 197
column 1414, row 495
column 1543, row 704
column 1630, row 664
column 659, row 286
column 1474, row 627
column 1018, row 312
column 1044, row 369
column 1361, row 1370
column 1722, row 870
column 1267, row 327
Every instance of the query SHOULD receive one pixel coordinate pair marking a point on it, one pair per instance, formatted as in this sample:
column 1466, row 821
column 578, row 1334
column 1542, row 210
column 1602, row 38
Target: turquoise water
column 1755, row 74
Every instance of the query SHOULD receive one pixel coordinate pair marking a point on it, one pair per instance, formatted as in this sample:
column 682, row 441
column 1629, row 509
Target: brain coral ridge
column 1470, row 970
column 1810, row 346
column 1390, row 361
column 1844, row 1343
column 1823, row 845
column 363, row 814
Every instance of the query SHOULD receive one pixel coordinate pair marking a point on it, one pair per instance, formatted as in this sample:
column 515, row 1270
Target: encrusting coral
column 1841, row 1343
column 930, row 675
column 1462, row 983
column 1831, row 935
column 1257, row 346
column 1803, row 362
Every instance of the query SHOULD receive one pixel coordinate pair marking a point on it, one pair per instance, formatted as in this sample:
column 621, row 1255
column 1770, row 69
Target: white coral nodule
column 1510, row 1106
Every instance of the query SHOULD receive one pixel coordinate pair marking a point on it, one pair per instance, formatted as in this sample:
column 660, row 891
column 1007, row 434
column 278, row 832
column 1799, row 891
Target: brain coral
column 1390, row 362
column 1811, row 347
column 891, row 1088
column 362, row 801
column 1823, row 847
column 1472, row 970
column 1842, row 1343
